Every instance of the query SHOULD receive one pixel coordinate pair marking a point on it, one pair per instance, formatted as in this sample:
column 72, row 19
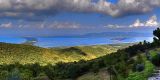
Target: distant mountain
column 140, row 32
column 118, row 34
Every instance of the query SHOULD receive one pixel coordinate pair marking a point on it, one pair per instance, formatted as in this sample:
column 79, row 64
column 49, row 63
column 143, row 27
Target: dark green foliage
column 73, row 49
column 36, row 69
column 156, row 39
column 139, row 64
column 139, row 59
column 14, row 75
column 157, row 33
column 156, row 60
column 96, row 66
column 140, row 67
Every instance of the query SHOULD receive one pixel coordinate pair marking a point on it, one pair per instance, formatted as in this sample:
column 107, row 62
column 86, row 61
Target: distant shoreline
column 114, row 45
column 72, row 42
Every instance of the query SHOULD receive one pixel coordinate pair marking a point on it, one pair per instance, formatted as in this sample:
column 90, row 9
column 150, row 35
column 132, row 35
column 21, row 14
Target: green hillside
column 21, row 62
column 26, row 62
column 27, row 54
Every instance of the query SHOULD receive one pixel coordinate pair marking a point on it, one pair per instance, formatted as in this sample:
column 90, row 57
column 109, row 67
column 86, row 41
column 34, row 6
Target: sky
column 64, row 17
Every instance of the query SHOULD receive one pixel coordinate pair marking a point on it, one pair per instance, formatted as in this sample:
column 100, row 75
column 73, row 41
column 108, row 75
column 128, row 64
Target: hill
column 28, row 54
column 118, row 65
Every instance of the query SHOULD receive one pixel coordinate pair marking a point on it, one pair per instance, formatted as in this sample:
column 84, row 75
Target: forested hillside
column 27, row 54
column 135, row 62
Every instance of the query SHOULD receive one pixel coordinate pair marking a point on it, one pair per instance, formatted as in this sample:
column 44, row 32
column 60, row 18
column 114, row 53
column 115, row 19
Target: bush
column 140, row 67
column 156, row 60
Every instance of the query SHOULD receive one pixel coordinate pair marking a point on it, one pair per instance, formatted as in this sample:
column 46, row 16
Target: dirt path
column 155, row 75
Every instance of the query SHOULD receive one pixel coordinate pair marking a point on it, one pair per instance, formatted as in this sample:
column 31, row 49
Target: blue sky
column 99, row 19
column 72, row 15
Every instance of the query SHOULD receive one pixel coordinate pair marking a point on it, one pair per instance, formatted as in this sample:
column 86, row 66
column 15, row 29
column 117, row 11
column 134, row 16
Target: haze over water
column 86, row 39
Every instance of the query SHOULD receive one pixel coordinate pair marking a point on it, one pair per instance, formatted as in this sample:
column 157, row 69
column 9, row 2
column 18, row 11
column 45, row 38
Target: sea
column 82, row 40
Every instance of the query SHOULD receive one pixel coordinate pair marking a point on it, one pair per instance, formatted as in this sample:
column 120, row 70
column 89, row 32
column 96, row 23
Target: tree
column 4, row 75
column 95, row 67
column 157, row 33
column 156, row 60
column 14, row 75
column 156, row 39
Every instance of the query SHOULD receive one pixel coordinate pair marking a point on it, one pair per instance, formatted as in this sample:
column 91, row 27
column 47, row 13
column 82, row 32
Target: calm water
column 59, row 42
column 89, row 39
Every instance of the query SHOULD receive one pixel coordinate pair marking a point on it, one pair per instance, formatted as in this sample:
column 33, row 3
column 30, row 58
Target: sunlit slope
column 23, row 54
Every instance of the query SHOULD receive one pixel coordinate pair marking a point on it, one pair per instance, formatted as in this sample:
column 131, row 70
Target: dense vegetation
column 132, row 63
column 27, row 54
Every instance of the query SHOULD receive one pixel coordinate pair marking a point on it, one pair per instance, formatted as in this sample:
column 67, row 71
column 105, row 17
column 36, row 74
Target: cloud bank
column 43, row 8
column 42, row 25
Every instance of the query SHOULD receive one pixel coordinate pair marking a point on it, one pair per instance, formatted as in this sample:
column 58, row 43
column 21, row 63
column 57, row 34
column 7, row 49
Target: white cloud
column 6, row 25
column 42, row 25
column 137, row 24
column 113, row 26
column 152, row 22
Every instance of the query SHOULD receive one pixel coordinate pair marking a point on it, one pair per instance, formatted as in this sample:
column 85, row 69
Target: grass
column 154, row 52
column 149, row 67
column 143, row 75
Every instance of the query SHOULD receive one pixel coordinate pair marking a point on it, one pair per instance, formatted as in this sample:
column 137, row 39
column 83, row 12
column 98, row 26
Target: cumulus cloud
column 137, row 24
column 152, row 22
column 31, row 8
